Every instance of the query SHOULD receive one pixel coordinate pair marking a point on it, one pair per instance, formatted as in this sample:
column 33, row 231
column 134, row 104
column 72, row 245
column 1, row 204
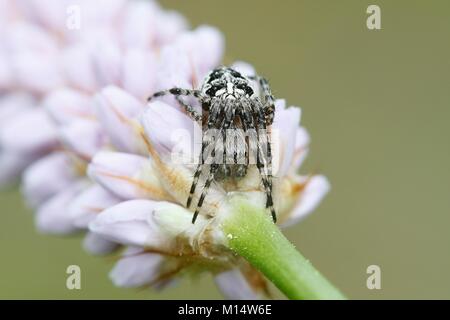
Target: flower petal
column 107, row 61
column 128, row 176
column 14, row 104
column 139, row 26
column 131, row 223
column 117, row 111
column 170, row 130
column 84, row 138
column 174, row 69
column 39, row 77
column 89, row 203
column 138, row 70
column 47, row 177
column 24, row 36
column 53, row 217
column 47, row 12
column 301, row 149
column 285, row 126
column 184, row 63
column 31, row 133
column 11, row 165
column 6, row 73
column 67, row 105
column 306, row 197
column 205, row 60
column 137, row 270
column 96, row 245
column 169, row 25
column 77, row 64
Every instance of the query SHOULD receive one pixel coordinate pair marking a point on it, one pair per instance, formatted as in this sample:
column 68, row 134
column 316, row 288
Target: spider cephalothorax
column 234, row 124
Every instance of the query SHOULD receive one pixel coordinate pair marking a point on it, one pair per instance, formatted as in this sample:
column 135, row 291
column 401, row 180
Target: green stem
column 252, row 234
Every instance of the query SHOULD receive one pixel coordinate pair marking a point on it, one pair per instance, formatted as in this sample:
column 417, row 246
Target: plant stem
column 252, row 234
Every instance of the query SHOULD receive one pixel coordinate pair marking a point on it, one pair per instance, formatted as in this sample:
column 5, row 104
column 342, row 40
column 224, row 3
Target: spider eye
column 212, row 91
column 244, row 87
column 248, row 90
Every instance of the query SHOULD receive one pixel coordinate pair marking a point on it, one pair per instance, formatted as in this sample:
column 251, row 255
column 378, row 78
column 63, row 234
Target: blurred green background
column 377, row 106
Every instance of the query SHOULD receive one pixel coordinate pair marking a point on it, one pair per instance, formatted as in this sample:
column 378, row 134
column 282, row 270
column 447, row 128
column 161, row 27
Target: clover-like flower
column 97, row 159
column 44, row 61
column 52, row 131
column 152, row 219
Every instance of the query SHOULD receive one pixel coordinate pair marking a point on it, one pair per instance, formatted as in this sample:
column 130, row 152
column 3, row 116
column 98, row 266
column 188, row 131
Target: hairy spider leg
column 212, row 171
column 269, row 99
column 178, row 93
column 225, row 123
column 213, row 116
column 264, row 163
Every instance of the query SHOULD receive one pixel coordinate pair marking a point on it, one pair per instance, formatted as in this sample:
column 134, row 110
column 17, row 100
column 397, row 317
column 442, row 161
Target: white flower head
column 97, row 159
column 55, row 119
column 153, row 219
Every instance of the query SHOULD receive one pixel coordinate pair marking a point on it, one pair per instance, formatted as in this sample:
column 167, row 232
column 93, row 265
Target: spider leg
column 175, row 92
column 197, row 174
column 205, row 144
column 230, row 136
column 178, row 93
column 269, row 99
column 266, row 178
column 190, row 110
column 262, row 126
column 218, row 147
column 212, row 171
column 246, row 117
column 206, row 141
column 264, row 162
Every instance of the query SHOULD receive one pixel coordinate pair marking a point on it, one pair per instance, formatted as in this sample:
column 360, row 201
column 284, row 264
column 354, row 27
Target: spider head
column 227, row 83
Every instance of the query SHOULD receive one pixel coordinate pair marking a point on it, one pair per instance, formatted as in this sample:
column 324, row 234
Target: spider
column 230, row 104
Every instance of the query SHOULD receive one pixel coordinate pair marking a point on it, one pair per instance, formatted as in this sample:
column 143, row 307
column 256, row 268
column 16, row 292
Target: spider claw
column 274, row 215
column 194, row 217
